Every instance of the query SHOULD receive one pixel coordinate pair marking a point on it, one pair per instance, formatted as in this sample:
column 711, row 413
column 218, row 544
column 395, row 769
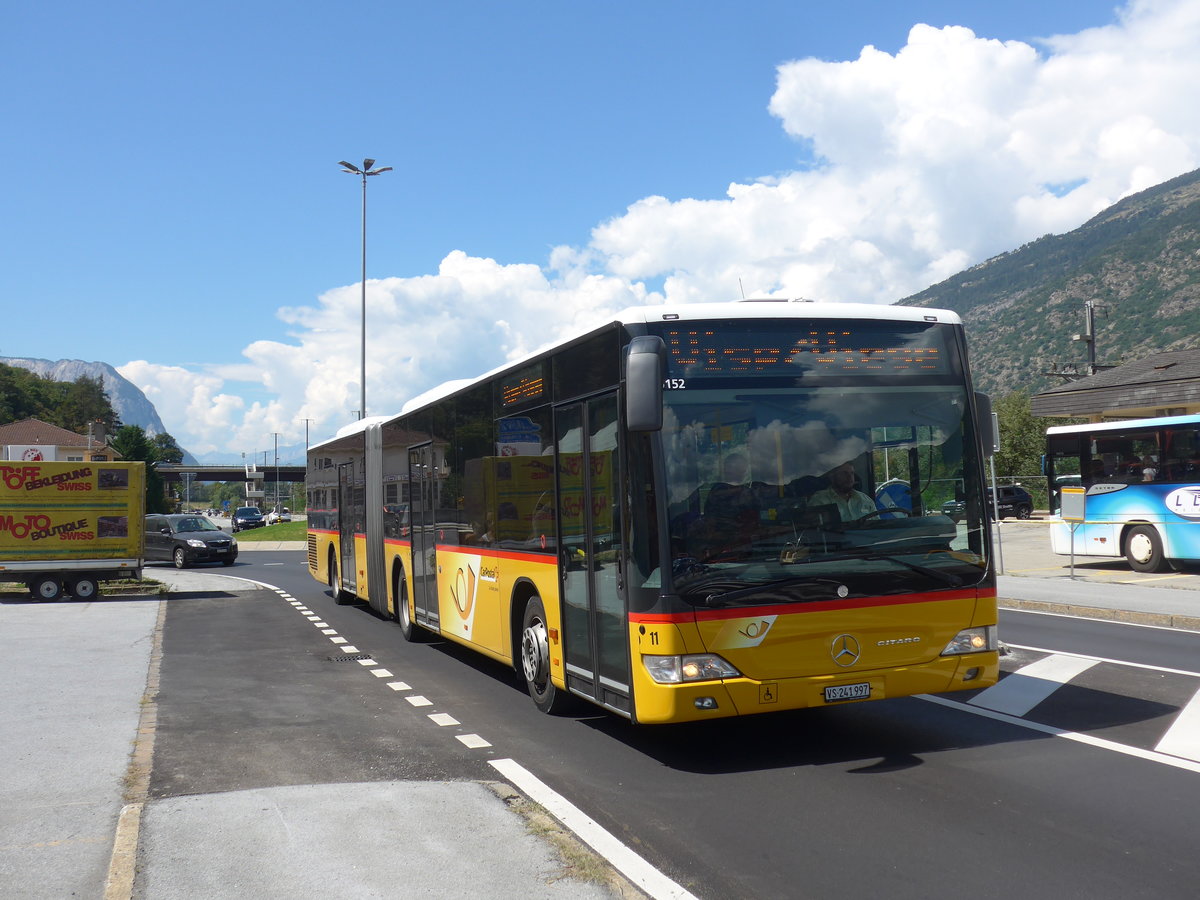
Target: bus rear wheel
column 1143, row 549
column 409, row 629
column 535, row 660
column 340, row 597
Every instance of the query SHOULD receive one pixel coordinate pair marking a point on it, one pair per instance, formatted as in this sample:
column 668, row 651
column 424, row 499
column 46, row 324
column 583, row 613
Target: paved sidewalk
column 78, row 709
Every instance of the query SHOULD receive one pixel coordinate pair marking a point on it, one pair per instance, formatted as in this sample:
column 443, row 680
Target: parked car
column 188, row 539
column 248, row 517
column 1013, row 500
column 283, row 515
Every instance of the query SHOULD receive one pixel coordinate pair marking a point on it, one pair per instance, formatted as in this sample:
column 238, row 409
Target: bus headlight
column 693, row 667
column 973, row 640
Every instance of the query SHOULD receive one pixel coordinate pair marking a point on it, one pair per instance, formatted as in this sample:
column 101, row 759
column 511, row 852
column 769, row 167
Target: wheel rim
column 47, row 589
column 180, row 560
column 534, row 653
column 405, row 618
column 84, row 590
column 1141, row 548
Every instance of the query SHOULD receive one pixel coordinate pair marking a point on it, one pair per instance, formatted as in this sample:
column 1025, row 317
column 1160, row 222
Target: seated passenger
column 851, row 504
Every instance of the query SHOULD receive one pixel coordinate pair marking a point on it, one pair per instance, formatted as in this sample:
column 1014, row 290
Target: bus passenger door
column 595, row 633
column 423, row 577
column 346, row 520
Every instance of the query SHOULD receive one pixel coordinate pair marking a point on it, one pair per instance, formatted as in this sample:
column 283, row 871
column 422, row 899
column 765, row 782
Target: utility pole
column 1089, row 335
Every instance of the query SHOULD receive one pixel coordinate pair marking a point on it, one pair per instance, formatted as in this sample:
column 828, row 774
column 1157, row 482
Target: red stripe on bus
column 793, row 609
column 486, row 553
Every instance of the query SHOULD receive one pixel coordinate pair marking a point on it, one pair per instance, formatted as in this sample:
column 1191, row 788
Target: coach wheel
column 535, row 660
column 410, row 630
column 84, row 587
column 1143, row 549
column 46, row 587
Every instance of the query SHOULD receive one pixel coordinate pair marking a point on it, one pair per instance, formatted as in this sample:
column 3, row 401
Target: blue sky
column 174, row 205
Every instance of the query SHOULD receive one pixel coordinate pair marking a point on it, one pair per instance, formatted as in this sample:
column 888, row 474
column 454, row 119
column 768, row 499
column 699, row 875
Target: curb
column 1127, row 616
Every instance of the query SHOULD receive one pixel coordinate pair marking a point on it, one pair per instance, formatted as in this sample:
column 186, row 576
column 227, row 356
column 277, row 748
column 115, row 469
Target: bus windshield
column 787, row 490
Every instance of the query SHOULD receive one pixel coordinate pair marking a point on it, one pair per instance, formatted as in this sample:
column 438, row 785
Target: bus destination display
column 822, row 351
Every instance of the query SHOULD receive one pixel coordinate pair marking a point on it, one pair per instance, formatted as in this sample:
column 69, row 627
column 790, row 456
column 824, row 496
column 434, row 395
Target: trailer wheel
column 46, row 587
column 84, row 587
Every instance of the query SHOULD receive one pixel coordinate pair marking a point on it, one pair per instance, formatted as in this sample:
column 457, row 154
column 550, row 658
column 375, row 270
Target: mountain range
column 130, row 404
column 1137, row 261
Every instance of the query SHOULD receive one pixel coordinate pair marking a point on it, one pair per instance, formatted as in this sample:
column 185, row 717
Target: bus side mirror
column 985, row 420
column 645, row 368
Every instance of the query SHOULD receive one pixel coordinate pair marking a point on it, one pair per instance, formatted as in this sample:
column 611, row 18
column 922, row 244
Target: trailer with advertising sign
column 66, row 526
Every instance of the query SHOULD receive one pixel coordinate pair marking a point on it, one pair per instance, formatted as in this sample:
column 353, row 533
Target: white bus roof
column 1124, row 424
column 753, row 308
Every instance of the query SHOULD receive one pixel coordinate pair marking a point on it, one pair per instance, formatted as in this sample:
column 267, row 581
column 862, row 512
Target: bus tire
column 409, row 629
column 340, row 597
column 46, row 587
column 84, row 587
column 535, row 660
column 1143, row 549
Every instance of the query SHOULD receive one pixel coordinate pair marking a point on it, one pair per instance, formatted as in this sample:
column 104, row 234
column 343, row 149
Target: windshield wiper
column 757, row 590
column 946, row 578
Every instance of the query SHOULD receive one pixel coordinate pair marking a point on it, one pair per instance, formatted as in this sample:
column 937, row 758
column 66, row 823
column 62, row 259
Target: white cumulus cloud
column 910, row 167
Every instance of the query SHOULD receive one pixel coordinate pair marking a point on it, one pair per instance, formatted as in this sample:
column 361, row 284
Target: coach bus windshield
column 808, row 463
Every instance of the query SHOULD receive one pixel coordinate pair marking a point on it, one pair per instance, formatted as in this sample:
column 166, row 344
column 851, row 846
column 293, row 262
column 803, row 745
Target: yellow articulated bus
column 692, row 512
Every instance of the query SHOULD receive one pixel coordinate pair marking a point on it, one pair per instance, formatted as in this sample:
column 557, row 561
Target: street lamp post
column 351, row 169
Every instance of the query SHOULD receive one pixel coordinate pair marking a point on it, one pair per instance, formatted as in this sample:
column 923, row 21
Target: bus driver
column 851, row 504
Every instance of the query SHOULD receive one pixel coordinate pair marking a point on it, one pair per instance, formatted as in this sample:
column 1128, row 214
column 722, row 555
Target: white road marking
column 443, row 719
column 398, row 686
column 339, row 640
column 1030, row 685
column 472, row 741
column 382, row 673
column 321, row 624
column 632, row 866
column 1151, row 755
column 329, row 631
column 1105, row 659
column 1183, row 737
column 418, row 700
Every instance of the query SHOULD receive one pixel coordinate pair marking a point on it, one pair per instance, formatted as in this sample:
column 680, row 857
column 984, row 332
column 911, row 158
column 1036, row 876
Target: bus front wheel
column 535, row 660
column 1143, row 549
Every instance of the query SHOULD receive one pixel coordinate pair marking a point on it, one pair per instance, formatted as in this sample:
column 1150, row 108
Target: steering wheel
column 879, row 512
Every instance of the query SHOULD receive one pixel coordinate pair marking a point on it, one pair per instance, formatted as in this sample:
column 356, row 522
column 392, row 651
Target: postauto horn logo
column 1184, row 502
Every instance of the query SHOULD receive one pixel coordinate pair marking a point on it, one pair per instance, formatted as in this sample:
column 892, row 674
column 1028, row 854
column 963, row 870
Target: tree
column 131, row 442
column 1022, row 436
column 166, row 449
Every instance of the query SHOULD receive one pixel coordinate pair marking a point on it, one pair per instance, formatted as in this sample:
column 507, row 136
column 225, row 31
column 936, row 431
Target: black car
column 248, row 517
column 1013, row 500
column 188, row 539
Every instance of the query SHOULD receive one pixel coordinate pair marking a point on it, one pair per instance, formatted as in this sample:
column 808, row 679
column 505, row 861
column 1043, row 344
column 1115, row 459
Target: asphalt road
column 875, row 798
